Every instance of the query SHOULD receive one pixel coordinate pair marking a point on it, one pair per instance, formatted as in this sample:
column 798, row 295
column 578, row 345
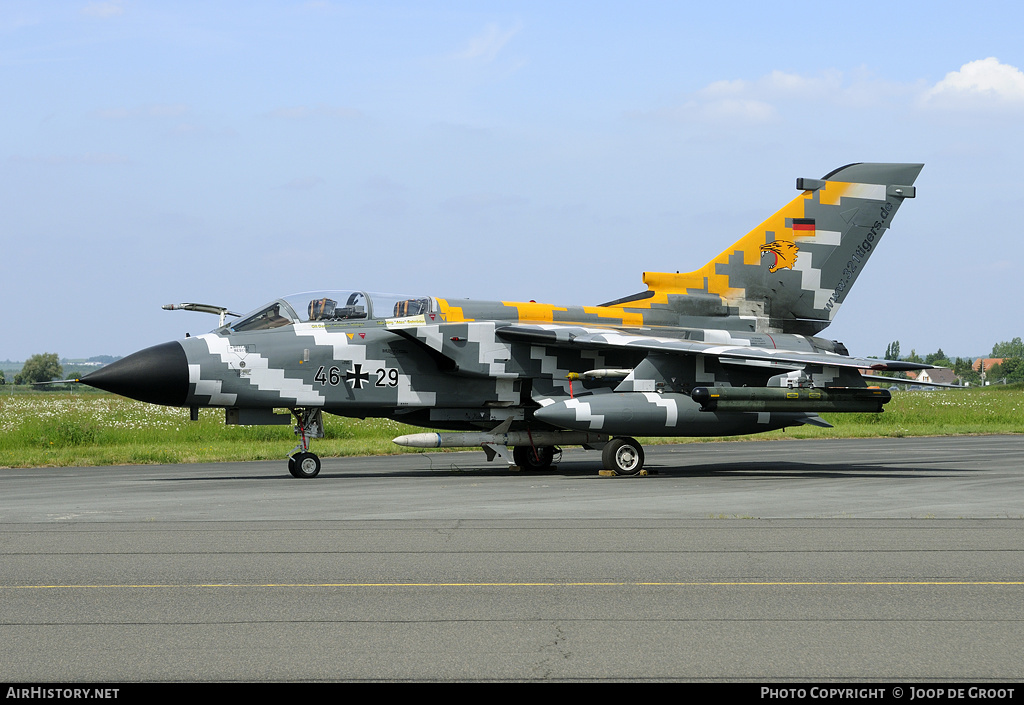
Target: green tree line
column 1010, row 370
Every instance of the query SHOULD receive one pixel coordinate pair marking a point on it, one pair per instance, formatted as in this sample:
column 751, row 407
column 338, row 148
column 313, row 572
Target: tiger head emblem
column 785, row 254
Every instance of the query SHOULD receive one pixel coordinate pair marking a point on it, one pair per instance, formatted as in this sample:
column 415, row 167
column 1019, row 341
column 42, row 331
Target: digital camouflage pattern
column 654, row 363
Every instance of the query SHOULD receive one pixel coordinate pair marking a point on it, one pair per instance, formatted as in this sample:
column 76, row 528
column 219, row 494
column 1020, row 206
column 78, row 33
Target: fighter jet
column 731, row 348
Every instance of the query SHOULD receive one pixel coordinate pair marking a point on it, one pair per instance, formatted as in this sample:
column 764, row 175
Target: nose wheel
column 304, row 465
column 310, row 425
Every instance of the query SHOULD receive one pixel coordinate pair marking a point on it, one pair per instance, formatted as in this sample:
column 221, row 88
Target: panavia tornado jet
column 731, row 348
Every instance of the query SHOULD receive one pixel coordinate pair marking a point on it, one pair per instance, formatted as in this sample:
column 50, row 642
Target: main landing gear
column 623, row 456
column 310, row 425
column 528, row 458
column 534, row 459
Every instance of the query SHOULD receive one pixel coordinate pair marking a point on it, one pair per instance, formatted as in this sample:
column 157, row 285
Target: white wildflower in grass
column 93, row 428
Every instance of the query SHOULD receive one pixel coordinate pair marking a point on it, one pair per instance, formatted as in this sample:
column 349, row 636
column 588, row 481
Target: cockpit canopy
column 328, row 306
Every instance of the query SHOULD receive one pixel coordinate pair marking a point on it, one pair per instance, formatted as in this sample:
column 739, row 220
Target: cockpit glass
column 331, row 306
column 336, row 306
column 275, row 315
column 399, row 305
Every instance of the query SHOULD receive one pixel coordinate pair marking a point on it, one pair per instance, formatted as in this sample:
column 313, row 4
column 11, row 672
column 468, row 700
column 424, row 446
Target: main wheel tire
column 623, row 456
column 527, row 459
column 305, row 465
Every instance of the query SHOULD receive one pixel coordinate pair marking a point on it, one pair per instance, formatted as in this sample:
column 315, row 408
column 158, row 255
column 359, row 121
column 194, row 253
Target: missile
column 834, row 399
column 474, row 439
column 599, row 374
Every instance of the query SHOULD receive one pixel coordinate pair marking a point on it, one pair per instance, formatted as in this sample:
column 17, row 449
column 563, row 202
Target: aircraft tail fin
column 793, row 271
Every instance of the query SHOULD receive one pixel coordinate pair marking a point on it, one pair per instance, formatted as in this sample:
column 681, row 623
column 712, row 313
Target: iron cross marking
column 356, row 376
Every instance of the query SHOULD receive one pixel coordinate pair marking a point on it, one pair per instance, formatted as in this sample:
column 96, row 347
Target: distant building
column 940, row 375
column 984, row 364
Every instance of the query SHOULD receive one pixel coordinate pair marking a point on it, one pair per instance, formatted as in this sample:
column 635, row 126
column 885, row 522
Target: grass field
column 80, row 429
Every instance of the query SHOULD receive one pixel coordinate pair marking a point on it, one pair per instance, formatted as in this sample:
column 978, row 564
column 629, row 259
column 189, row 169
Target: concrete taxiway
column 890, row 559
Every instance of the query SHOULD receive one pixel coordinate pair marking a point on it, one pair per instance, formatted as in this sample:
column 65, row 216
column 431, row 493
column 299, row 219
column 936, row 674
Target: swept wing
column 581, row 337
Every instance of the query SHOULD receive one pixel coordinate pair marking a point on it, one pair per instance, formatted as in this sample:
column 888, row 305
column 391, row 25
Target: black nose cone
column 158, row 375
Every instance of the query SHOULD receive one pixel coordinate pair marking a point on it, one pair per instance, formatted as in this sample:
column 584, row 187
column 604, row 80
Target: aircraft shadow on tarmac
column 444, row 467
column 797, row 470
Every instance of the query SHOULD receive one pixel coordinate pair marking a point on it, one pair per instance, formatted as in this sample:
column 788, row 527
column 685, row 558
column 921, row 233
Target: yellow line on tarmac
column 872, row 583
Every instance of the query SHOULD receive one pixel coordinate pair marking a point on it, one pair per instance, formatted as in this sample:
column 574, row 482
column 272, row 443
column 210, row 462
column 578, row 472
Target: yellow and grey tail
column 794, row 270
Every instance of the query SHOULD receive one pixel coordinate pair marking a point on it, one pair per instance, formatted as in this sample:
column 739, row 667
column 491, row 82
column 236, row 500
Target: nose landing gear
column 310, row 425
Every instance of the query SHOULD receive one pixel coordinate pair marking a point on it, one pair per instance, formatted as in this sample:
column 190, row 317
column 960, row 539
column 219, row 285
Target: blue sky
column 232, row 152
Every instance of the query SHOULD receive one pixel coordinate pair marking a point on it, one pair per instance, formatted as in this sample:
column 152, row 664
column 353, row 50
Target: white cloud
column 762, row 100
column 735, row 109
column 776, row 85
column 782, row 84
column 778, row 96
column 485, row 46
column 103, row 9
column 730, row 88
column 984, row 80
